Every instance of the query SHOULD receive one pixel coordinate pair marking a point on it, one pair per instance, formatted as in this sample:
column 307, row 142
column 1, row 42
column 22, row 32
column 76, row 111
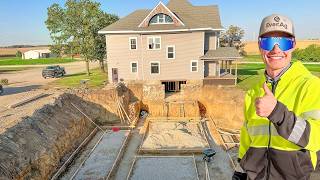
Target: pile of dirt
column 36, row 144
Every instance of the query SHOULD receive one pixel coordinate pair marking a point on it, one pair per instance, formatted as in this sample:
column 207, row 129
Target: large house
column 171, row 44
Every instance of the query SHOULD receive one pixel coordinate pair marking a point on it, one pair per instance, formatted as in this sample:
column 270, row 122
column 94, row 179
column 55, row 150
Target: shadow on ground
column 16, row 90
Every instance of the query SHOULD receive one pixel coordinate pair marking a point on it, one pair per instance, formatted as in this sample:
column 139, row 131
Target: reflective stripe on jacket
column 294, row 132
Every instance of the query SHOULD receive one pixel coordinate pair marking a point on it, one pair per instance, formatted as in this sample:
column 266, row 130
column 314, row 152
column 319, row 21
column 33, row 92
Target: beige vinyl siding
column 210, row 41
column 188, row 46
column 120, row 56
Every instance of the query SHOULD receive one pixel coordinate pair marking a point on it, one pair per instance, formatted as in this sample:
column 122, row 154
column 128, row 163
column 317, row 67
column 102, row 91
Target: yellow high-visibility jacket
column 286, row 144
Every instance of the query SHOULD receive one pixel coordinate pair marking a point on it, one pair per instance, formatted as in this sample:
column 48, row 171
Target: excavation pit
column 163, row 167
column 174, row 137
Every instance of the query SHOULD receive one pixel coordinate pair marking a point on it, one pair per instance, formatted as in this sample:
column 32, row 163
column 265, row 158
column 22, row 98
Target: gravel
column 175, row 168
column 174, row 135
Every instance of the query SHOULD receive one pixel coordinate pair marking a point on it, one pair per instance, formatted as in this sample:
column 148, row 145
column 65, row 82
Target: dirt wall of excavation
column 111, row 97
column 224, row 105
column 41, row 142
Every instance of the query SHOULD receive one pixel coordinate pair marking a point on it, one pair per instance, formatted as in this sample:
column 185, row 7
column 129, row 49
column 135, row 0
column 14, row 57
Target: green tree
column 18, row 54
column 232, row 38
column 311, row 53
column 74, row 29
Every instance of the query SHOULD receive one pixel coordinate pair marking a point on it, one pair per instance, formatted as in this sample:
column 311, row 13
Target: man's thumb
column 266, row 89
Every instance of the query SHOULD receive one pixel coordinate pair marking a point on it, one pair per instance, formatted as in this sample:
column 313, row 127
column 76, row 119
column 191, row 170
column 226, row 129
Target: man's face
column 276, row 59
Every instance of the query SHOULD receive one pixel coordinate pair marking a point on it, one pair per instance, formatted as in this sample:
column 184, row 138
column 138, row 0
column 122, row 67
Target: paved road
column 27, row 80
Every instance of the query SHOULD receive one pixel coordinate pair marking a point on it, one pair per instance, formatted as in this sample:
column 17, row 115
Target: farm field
column 251, row 47
column 12, row 51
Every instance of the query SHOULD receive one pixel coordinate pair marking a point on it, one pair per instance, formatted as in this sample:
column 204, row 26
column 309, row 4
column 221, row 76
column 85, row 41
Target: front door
column 210, row 68
column 115, row 75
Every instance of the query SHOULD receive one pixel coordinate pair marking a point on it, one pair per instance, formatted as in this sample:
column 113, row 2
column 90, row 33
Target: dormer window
column 161, row 19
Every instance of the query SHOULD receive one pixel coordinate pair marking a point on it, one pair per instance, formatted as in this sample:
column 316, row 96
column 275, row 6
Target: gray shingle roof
column 191, row 16
column 225, row 53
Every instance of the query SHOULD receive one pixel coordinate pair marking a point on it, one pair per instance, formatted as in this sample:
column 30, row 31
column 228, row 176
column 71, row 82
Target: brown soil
column 39, row 142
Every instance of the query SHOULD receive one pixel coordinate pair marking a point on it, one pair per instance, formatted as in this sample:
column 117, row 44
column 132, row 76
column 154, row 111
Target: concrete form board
column 102, row 158
column 164, row 167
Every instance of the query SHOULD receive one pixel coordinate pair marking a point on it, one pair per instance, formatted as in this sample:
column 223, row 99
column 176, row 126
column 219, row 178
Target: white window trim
column 153, row 39
column 131, row 66
column 159, row 67
column 191, row 65
column 136, row 38
column 174, row 51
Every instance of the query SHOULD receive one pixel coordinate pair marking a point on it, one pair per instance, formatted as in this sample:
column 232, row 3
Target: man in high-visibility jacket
column 280, row 138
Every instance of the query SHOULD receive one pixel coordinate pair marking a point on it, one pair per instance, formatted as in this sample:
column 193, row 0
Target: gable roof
column 150, row 15
column 193, row 17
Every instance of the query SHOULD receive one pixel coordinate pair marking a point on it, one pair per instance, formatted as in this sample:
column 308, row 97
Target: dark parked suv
column 53, row 71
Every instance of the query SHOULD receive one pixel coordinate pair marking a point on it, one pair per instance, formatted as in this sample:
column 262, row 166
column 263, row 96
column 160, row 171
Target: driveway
column 31, row 79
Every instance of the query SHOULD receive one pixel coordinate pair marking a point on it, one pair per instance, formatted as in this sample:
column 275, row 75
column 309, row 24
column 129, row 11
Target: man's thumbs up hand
column 265, row 104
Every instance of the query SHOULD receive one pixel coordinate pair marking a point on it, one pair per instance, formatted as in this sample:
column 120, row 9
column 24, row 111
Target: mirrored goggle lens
column 284, row 44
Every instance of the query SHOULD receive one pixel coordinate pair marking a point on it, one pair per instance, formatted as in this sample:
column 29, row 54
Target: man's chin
column 276, row 64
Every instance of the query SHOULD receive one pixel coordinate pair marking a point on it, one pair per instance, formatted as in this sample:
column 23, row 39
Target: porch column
column 236, row 73
column 220, row 62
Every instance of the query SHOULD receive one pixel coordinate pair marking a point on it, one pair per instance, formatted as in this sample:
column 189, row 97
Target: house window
column 171, row 52
column 155, row 67
column 161, row 19
column 154, row 43
column 194, row 66
column 134, row 67
column 133, row 42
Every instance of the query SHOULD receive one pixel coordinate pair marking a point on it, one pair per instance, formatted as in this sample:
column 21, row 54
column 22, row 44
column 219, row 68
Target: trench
column 102, row 135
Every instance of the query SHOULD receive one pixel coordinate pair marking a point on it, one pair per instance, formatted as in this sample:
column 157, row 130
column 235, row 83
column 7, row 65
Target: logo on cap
column 276, row 24
column 277, row 19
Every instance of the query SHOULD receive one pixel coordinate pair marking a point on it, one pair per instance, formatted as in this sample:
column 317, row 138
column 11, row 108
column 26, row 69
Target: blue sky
column 23, row 20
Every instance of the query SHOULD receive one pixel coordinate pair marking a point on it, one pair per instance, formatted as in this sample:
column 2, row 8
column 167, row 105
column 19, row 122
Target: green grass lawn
column 256, row 58
column 18, row 61
column 252, row 58
column 248, row 73
column 96, row 79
